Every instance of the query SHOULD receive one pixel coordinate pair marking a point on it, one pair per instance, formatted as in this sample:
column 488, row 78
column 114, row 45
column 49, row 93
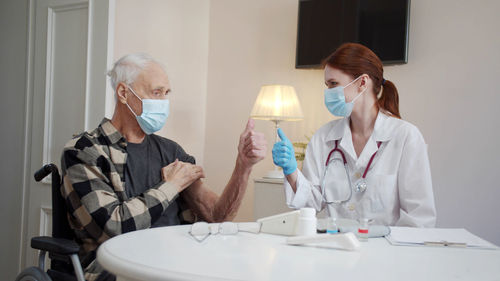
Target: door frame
column 99, row 59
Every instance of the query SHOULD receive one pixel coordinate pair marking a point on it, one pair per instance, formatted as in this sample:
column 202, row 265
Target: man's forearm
column 229, row 201
column 213, row 208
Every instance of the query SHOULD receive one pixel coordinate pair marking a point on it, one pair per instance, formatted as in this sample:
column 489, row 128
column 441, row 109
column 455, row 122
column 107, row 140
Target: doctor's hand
column 252, row 147
column 181, row 174
column 284, row 154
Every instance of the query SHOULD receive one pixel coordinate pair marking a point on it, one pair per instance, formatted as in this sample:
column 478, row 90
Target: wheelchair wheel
column 33, row 274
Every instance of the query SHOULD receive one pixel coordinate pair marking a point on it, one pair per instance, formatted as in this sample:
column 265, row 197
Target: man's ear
column 121, row 92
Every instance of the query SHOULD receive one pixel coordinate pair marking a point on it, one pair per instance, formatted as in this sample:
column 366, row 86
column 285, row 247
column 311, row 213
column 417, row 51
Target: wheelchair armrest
column 55, row 245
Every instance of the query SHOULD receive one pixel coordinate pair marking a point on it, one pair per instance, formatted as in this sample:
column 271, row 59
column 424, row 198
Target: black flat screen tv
column 323, row 25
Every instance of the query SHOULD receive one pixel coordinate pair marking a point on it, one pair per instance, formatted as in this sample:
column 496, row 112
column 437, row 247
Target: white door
column 70, row 51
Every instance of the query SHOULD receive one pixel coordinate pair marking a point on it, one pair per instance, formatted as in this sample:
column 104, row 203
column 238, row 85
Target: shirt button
column 351, row 207
column 357, row 175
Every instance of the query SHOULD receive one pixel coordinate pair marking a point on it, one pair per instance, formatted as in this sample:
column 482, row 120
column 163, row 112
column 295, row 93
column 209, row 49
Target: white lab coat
column 399, row 187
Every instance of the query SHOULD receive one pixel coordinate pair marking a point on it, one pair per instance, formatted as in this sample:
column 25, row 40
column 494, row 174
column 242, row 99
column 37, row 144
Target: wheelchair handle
column 45, row 171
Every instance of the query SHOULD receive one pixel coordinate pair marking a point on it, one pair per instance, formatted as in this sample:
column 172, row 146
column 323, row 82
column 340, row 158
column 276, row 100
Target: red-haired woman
column 370, row 164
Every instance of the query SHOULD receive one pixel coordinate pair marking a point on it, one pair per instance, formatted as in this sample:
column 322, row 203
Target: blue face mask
column 154, row 114
column 335, row 100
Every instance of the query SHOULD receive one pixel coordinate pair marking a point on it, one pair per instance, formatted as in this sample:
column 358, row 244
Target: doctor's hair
column 127, row 68
column 356, row 59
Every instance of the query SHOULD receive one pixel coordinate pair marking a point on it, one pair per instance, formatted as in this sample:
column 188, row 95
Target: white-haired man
column 121, row 177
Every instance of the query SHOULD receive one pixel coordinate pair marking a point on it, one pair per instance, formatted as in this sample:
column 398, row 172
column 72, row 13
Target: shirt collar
column 338, row 130
column 341, row 130
column 381, row 131
column 110, row 132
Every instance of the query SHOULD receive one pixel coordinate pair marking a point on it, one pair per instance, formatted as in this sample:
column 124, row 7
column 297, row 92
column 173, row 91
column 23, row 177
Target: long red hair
column 356, row 59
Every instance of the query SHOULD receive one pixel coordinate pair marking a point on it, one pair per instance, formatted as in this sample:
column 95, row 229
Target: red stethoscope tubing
column 336, row 148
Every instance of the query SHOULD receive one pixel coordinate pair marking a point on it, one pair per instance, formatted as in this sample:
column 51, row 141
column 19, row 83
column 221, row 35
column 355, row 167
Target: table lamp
column 277, row 103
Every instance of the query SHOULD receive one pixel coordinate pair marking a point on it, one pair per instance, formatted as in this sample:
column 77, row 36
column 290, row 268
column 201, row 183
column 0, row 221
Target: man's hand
column 252, row 147
column 182, row 174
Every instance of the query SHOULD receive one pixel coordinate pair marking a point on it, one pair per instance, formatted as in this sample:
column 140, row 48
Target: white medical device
column 300, row 222
column 281, row 224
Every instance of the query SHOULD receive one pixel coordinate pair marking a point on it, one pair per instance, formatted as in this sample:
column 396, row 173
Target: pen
column 445, row 244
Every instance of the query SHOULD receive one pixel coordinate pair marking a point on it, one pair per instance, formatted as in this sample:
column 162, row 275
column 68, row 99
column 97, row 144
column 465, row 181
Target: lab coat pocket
column 382, row 193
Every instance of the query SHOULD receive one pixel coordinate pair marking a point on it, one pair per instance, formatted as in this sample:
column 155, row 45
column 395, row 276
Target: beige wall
column 448, row 88
column 175, row 32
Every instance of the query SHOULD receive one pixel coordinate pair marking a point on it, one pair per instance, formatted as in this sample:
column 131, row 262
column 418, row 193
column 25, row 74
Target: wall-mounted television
column 323, row 25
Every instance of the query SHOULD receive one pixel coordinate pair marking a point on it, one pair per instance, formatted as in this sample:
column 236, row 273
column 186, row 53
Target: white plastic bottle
column 363, row 230
column 306, row 225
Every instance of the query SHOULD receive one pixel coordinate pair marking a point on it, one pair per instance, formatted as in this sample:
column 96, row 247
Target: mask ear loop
column 352, row 82
column 133, row 92
column 359, row 93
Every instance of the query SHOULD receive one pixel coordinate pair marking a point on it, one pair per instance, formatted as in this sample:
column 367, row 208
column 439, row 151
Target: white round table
column 170, row 253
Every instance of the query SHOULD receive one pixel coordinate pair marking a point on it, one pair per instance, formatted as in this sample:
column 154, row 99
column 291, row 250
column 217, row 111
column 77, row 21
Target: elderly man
column 121, row 177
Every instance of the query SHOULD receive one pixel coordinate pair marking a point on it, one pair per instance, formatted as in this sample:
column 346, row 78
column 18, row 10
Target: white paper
column 419, row 236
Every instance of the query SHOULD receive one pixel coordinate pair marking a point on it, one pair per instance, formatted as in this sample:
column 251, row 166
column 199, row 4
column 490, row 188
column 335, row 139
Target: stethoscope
column 360, row 185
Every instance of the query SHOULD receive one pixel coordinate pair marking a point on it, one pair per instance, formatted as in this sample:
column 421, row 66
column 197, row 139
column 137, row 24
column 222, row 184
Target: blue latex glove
column 284, row 154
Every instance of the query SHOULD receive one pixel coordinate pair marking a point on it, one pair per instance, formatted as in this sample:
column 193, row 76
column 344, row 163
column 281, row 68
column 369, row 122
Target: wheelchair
column 63, row 250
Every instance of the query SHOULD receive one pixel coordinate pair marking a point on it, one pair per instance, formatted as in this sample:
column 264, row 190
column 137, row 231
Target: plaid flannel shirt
column 93, row 166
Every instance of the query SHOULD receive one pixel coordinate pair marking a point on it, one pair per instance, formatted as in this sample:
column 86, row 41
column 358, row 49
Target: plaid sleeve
column 100, row 210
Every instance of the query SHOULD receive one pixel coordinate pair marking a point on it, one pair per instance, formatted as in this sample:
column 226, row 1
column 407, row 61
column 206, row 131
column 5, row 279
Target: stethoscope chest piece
column 360, row 186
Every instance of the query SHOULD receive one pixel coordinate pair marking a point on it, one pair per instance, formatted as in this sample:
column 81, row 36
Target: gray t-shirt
column 143, row 170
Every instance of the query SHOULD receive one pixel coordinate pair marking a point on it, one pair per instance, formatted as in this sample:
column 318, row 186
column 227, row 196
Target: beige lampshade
column 277, row 102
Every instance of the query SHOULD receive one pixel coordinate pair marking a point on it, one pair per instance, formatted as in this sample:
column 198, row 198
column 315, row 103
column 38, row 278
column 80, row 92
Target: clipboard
column 437, row 237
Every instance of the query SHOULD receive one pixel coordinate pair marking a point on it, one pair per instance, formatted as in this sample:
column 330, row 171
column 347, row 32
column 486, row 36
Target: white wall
column 175, row 32
column 13, row 31
column 448, row 89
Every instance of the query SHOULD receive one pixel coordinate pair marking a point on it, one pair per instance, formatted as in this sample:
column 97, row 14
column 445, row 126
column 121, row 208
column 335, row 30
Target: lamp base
column 274, row 174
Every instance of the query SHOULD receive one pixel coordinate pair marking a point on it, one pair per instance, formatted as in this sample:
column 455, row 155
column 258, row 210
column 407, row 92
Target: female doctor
column 370, row 163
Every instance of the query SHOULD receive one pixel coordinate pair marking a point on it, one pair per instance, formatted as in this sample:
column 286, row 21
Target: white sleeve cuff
column 298, row 199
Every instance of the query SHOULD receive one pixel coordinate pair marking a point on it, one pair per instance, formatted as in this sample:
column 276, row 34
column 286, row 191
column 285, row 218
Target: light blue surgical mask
column 335, row 100
column 154, row 114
